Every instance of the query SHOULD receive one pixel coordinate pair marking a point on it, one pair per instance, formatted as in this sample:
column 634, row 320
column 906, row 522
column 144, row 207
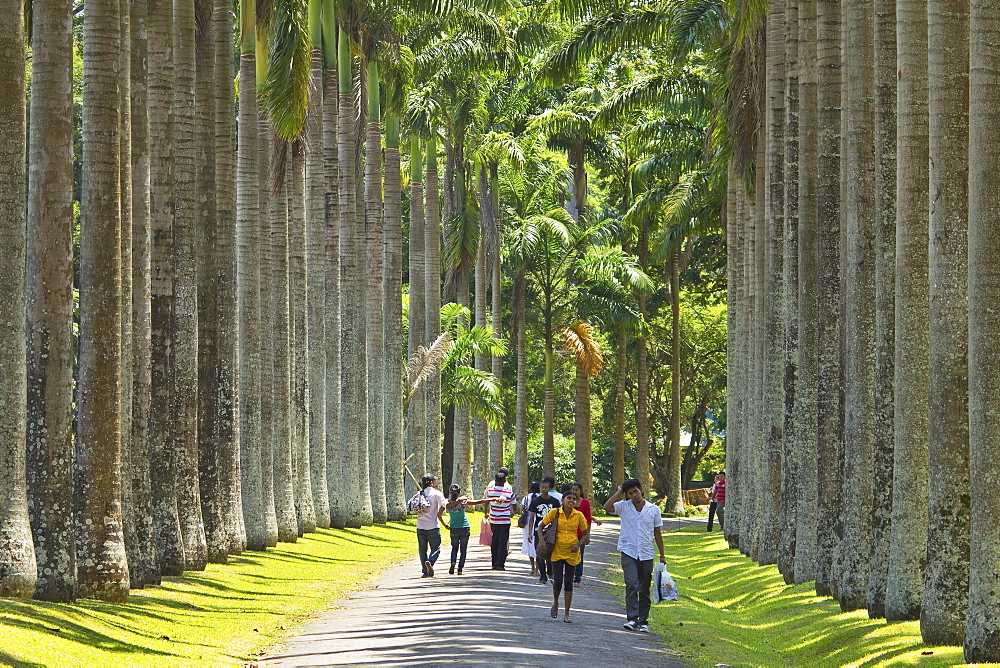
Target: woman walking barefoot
column 572, row 533
column 583, row 507
column 527, row 545
column 459, row 526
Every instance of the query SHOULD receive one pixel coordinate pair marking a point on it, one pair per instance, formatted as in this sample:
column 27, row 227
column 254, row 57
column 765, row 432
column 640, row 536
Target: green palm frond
column 454, row 316
column 698, row 23
column 500, row 147
column 666, row 93
column 462, row 237
column 474, row 390
column 610, row 265
column 285, row 93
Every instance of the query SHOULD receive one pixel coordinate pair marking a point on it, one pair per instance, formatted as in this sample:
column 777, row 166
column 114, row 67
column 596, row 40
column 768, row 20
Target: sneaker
column 429, row 567
column 643, row 628
column 631, row 625
column 451, row 571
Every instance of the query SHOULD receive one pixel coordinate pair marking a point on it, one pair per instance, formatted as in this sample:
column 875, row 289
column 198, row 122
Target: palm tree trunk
column 284, row 473
column 852, row 557
column 828, row 293
column 946, row 579
column 316, row 247
column 885, row 297
column 375, row 238
column 416, row 416
column 908, row 543
column 102, row 569
column 618, row 472
column 18, row 574
column 790, row 300
column 249, row 302
column 49, row 297
column 299, row 342
column 395, row 449
column 806, row 387
column 496, row 313
column 982, row 629
column 480, row 432
column 736, row 353
column 142, row 559
column 548, row 445
column 462, row 467
column 584, row 447
column 642, row 375
column 166, row 459
column 521, row 401
column 432, row 300
column 675, row 500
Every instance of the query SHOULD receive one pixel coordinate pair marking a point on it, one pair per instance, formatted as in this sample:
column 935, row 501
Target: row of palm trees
column 862, row 324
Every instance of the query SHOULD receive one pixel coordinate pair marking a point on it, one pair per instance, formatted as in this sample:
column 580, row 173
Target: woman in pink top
column 583, row 507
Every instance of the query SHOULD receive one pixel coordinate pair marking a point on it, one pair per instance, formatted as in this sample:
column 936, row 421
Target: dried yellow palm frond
column 424, row 362
column 579, row 340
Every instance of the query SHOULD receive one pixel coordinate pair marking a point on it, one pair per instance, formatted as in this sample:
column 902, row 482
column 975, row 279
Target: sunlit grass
column 224, row 615
column 736, row 613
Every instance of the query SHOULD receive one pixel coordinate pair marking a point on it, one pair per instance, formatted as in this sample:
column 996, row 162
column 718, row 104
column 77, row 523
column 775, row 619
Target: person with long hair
column 527, row 545
column 458, row 525
column 584, row 507
column 572, row 533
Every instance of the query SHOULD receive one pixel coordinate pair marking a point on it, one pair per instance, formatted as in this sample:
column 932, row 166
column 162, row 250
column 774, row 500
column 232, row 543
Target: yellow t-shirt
column 566, row 534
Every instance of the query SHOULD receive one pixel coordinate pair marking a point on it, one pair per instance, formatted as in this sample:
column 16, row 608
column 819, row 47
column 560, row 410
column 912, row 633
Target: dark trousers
column 428, row 538
column 578, row 575
column 460, row 545
column 711, row 514
column 638, row 577
column 498, row 546
column 562, row 575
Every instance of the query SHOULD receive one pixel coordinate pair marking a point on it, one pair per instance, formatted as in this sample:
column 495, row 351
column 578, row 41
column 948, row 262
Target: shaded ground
column 483, row 617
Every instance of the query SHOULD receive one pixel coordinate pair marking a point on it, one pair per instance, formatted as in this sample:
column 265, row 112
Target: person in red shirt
column 584, row 507
column 718, row 497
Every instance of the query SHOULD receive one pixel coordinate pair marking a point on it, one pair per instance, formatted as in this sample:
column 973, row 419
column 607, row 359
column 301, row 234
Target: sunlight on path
column 482, row 617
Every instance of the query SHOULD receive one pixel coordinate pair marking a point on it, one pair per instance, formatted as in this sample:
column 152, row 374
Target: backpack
column 417, row 503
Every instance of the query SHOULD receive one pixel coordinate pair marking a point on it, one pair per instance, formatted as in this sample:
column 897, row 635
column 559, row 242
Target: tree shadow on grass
column 48, row 624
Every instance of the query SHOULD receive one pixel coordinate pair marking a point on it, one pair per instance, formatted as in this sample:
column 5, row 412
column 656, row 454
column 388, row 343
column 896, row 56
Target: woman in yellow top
column 566, row 551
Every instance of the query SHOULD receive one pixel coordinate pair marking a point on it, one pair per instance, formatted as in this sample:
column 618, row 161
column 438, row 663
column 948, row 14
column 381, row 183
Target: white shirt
column 428, row 518
column 635, row 538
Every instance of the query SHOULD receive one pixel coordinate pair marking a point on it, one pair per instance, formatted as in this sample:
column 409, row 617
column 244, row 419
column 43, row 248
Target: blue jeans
column 578, row 574
column 428, row 538
column 460, row 545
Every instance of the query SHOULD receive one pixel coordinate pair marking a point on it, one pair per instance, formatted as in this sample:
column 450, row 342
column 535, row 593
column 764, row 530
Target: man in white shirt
column 428, row 532
column 641, row 525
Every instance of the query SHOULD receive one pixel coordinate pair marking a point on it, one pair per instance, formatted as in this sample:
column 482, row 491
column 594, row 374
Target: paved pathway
column 483, row 617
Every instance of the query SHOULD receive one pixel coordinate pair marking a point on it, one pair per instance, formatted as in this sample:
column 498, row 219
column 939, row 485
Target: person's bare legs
column 555, row 603
column 534, row 569
column 569, row 601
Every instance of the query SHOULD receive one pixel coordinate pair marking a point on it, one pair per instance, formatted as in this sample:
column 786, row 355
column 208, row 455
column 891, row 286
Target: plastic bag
column 664, row 587
column 485, row 533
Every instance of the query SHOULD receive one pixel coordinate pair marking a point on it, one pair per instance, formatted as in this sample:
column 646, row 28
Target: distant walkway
column 483, row 617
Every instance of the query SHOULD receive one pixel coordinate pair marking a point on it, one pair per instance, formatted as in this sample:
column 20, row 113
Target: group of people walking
column 561, row 563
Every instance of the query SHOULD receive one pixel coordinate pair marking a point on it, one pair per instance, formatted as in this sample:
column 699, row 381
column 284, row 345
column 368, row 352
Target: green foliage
column 733, row 612
column 226, row 614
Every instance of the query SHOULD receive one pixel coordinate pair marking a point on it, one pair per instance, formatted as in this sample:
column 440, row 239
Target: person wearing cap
column 501, row 508
column 428, row 531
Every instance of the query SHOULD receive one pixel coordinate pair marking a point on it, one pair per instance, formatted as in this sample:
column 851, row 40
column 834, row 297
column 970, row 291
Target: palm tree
column 946, row 578
column 432, row 298
column 166, row 459
column 18, row 575
column 981, row 642
column 102, row 569
column 49, row 293
column 417, row 414
column 580, row 342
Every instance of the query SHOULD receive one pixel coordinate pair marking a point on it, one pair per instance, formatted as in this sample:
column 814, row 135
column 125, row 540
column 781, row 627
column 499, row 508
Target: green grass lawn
column 224, row 615
column 734, row 612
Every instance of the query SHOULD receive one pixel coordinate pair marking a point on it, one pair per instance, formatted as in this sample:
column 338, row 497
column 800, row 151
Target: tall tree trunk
column 416, row 415
column 584, row 450
column 284, row 474
column 808, row 308
column 642, row 375
column 908, row 543
column 885, row 299
column 316, row 247
column 789, row 301
column 142, row 559
column 353, row 425
column 548, row 445
column 480, row 431
column 496, row 314
column 395, row 449
column 49, row 294
column 737, row 361
column 166, row 459
column 185, row 312
column 248, row 262
column 462, row 466
column 227, row 315
column 829, row 419
column 298, row 274
column 521, row 399
column 102, row 569
column 205, row 250
column 852, row 558
column 375, row 240
column 618, row 469
column 675, row 500
column 946, row 578
column 432, row 299
column 982, row 628
column 18, row 573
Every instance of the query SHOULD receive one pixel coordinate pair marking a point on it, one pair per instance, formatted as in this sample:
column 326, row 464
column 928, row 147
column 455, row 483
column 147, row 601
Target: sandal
column 554, row 612
column 567, row 620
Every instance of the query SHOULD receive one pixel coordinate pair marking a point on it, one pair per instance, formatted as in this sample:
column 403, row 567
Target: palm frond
column 285, row 93
column 579, row 340
column 475, row 390
column 426, row 361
